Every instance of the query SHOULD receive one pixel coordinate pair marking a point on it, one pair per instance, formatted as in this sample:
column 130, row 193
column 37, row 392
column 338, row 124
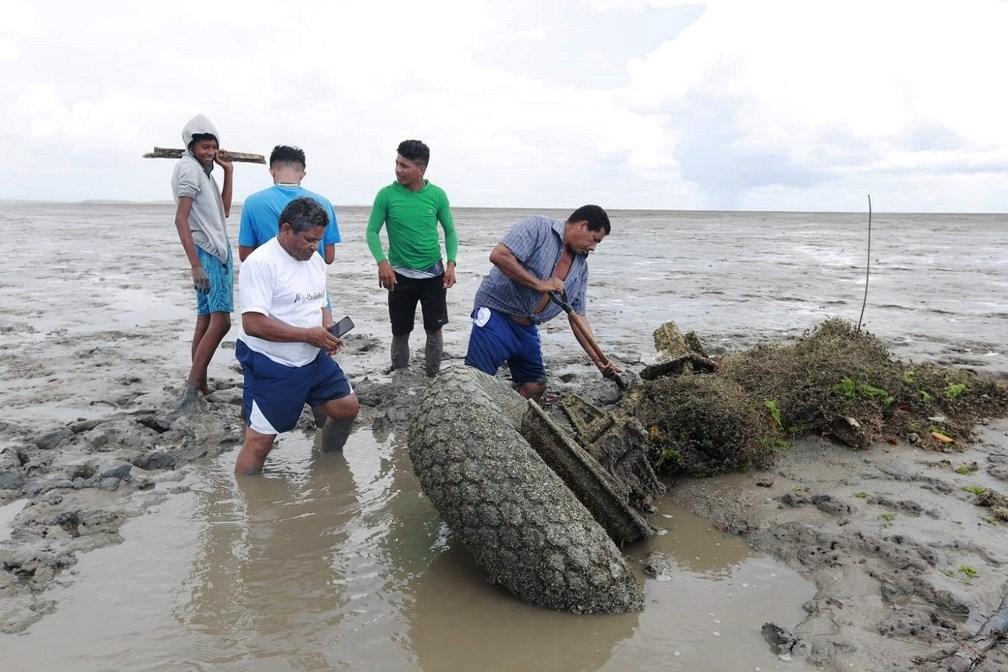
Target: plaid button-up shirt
column 537, row 243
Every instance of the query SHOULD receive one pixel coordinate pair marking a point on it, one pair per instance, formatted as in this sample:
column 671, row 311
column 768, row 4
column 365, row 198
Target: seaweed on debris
column 834, row 381
column 703, row 424
column 834, row 371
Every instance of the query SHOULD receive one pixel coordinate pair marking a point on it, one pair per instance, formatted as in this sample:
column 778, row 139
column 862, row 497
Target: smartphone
column 341, row 327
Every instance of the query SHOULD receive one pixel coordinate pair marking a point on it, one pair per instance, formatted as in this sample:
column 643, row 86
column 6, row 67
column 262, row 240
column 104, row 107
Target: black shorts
column 402, row 300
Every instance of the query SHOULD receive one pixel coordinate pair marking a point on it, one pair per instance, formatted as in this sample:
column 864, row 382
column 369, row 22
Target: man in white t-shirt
column 283, row 349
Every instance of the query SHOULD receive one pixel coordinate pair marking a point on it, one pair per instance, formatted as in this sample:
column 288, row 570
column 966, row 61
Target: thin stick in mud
column 867, row 270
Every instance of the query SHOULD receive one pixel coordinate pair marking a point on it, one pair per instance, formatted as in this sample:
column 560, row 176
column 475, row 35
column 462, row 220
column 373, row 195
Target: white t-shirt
column 274, row 283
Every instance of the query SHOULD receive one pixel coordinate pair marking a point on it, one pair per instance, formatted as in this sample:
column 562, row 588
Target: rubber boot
column 432, row 353
column 335, row 434
column 400, row 351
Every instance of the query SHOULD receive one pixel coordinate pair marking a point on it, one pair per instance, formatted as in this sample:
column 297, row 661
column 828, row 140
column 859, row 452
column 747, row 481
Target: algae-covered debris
column 703, row 424
column 834, row 371
column 833, row 381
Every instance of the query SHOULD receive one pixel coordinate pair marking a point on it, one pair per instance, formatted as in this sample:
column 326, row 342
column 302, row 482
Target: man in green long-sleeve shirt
column 410, row 208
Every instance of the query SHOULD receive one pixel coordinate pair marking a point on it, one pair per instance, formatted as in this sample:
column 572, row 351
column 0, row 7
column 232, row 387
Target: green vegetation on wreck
column 833, row 381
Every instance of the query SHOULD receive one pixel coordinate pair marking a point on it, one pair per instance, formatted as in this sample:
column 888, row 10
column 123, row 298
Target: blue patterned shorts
column 220, row 298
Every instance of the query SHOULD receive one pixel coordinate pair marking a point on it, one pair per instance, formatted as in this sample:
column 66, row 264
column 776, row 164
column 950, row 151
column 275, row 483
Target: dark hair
column 203, row 136
column 287, row 154
column 414, row 150
column 302, row 214
column 594, row 215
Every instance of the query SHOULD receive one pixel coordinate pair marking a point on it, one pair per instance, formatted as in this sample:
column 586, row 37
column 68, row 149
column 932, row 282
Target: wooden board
column 242, row 157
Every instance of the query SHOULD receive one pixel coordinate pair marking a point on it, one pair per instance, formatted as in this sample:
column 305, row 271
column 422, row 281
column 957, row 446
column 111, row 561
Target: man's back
column 260, row 218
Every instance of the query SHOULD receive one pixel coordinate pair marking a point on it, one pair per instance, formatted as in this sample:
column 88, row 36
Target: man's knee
column 344, row 408
column 220, row 320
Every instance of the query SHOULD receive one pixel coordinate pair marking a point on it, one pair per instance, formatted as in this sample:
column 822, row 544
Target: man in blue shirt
column 261, row 212
column 538, row 256
column 260, row 217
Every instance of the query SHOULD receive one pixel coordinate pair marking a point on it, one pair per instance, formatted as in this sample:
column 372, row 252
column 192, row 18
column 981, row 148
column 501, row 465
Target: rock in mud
column 53, row 439
column 516, row 517
column 115, row 470
column 781, row 641
column 658, row 566
column 11, row 480
column 157, row 459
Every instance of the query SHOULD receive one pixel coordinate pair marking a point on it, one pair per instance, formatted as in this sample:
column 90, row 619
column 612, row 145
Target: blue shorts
column 500, row 339
column 275, row 394
column 220, row 298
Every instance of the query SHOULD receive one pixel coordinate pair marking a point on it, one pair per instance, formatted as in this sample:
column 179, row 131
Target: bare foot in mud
column 187, row 403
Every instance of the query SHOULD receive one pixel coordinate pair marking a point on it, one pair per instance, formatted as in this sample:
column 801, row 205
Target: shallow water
column 339, row 562
column 7, row 515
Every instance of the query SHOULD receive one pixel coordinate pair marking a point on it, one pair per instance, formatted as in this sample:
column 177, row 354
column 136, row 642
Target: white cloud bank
column 750, row 105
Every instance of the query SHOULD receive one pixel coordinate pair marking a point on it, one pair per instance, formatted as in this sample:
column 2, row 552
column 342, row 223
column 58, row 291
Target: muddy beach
column 872, row 559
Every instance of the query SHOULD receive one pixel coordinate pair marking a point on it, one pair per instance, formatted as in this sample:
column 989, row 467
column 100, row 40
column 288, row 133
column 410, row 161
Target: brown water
column 339, row 562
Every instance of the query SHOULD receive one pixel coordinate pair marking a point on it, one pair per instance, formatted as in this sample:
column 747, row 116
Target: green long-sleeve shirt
column 411, row 218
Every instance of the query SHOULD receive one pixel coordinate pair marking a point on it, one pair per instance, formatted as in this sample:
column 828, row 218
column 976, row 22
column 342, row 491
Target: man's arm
column 386, row 276
column 332, row 236
column 503, row 258
column 271, row 329
column 450, row 240
column 228, row 179
column 201, row 281
column 248, row 239
column 586, row 339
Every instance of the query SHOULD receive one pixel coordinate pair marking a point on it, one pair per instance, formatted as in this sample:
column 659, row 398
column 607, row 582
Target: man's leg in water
column 254, row 450
column 341, row 414
column 218, row 325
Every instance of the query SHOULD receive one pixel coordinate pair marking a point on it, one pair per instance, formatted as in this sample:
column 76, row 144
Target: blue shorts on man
column 275, row 394
column 496, row 338
column 220, row 298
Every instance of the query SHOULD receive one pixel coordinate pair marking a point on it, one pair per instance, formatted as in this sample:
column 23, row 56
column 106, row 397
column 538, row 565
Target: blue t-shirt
column 260, row 217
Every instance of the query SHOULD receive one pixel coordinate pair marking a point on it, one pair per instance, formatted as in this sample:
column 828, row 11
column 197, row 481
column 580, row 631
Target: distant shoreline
column 530, row 208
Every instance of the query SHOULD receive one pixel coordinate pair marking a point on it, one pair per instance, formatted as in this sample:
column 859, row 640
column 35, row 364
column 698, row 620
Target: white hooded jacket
column 191, row 180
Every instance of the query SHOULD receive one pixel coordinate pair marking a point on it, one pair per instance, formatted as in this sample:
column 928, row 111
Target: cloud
column 641, row 104
column 794, row 93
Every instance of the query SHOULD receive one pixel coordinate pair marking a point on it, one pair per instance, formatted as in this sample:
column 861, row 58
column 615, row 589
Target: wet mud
column 903, row 563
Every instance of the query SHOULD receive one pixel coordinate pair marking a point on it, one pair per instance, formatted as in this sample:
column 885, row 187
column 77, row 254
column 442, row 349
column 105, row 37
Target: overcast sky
column 757, row 105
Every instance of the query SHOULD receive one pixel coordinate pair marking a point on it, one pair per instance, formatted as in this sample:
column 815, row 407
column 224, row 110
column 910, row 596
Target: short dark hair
column 203, row 136
column 287, row 154
column 415, row 151
column 594, row 215
column 302, row 214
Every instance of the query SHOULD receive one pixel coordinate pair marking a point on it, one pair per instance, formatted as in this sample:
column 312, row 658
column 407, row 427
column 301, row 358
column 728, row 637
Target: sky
column 809, row 105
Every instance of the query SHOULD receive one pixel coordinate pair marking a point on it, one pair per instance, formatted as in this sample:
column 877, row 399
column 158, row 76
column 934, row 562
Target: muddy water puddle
column 339, row 562
column 7, row 514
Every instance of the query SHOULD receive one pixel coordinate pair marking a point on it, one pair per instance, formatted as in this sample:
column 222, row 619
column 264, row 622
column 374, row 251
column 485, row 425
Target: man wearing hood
column 200, row 213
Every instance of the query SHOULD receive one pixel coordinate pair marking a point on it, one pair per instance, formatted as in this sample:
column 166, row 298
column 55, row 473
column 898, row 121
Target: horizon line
column 102, row 201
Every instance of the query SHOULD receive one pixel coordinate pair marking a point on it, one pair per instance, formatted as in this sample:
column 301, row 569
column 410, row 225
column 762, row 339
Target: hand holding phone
column 342, row 327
